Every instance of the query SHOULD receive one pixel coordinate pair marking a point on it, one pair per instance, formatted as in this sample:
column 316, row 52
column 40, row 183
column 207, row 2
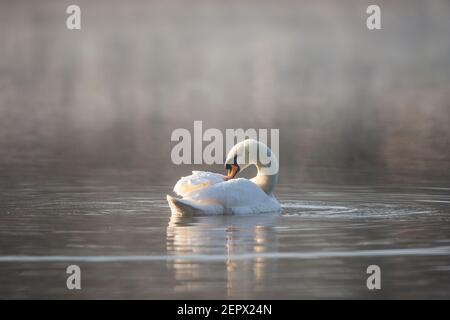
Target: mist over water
column 86, row 119
column 112, row 93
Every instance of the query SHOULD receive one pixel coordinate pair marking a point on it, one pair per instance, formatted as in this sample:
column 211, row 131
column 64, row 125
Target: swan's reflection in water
column 220, row 238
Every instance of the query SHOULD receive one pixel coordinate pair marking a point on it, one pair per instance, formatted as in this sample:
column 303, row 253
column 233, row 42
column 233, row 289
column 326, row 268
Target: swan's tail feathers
column 182, row 207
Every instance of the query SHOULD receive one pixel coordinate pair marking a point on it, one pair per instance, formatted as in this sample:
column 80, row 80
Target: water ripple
column 434, row 251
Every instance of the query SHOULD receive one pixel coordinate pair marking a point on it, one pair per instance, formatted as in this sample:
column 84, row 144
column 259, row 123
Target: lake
column 120, row 232
column 87, row 116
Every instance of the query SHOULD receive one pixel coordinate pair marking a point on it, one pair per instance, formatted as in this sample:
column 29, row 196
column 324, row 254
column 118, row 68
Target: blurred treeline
column 111, row 94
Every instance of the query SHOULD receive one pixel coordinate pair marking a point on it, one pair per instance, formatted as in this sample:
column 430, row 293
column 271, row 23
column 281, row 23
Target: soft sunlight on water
column 86, row 119
column 128, row 246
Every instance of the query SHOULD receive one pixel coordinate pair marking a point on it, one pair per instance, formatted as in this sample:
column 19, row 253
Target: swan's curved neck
column 267, row 176
column 266, row 182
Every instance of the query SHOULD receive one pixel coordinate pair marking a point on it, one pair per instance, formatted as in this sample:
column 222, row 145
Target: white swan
column 207, row 193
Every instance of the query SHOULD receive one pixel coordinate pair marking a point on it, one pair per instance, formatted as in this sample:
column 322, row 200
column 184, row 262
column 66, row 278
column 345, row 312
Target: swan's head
column 250, row 152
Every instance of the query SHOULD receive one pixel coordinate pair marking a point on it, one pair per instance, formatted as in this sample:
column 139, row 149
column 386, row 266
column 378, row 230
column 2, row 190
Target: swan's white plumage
column 197, row 180
column 207, row 193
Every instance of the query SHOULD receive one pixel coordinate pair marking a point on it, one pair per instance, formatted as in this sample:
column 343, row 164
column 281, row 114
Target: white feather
column 207, row 193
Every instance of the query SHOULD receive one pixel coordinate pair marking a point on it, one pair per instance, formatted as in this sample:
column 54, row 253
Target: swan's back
column 196, row 181
column 207, row 193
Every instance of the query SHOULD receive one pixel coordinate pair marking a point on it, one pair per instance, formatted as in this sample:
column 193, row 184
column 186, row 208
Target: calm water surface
column 123, row 237
column 113, row 94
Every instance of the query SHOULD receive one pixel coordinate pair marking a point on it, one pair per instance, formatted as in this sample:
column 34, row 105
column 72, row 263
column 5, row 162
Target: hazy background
column 85, row 141
column 107, row 97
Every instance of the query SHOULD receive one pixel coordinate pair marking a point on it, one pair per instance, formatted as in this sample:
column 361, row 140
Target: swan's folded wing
column 196, row 181
column 238, row 196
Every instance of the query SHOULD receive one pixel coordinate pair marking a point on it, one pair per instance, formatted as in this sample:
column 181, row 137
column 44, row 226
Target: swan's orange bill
column 232, row 172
